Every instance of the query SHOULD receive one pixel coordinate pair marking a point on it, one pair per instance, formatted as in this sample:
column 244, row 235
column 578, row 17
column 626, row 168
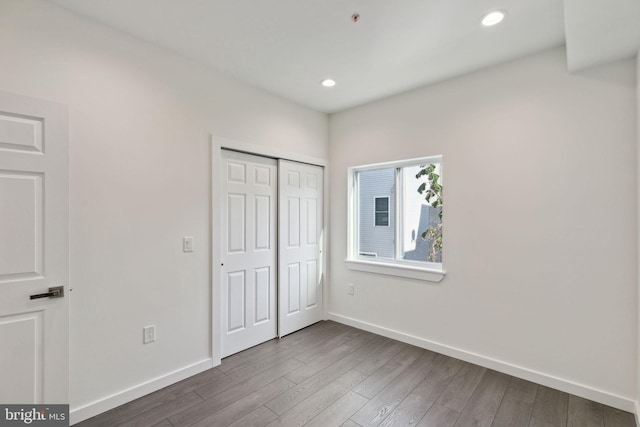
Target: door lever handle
column 55, row 292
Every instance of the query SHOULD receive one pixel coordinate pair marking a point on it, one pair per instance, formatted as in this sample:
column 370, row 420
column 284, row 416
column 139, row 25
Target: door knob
column 55, row 292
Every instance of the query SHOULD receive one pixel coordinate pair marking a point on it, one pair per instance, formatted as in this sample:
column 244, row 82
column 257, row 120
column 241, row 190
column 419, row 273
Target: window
column 405, row 236
column 381, row 213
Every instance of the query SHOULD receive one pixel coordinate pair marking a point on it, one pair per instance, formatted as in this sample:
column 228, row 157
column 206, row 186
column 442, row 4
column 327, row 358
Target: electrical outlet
column 187, row 244
column 351, row 289
column 148, row 334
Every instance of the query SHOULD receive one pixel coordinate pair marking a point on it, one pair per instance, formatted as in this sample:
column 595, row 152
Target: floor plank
column 517, row 404
column 295, row 352
column 417, row 403
column 380, row 406
column 339, row 411
column 484, row 403
column 316, row 403
column 385, row 374
column 461, row 387
column 549, row 408
column 312, row 334
column 322, row 361
column 439, row 416
column 156, row 415
column 232, row 394
column 617, row 418
column 319, row 348
column 276, row 369
column 537, row 422
column 258, row 418
column 243, row 407
column 377, row 360
column 584, row 413
column 303, row 390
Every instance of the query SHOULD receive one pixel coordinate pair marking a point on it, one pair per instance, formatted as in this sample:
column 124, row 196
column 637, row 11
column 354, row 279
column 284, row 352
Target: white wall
column 140, row 123
column 543, row 283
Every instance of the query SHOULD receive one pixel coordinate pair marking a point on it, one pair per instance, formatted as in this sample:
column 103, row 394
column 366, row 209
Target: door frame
column 217, row 145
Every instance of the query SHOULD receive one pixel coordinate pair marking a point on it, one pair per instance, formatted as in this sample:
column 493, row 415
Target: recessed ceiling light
column 493, row 18
column 328, row 83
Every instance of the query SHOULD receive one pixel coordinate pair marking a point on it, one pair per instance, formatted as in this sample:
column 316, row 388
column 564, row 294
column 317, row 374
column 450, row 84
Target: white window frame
column 426, row 271
column 376, row 211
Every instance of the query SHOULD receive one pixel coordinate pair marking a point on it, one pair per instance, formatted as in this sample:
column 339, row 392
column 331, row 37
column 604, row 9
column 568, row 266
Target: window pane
column 376, row 240
column 382, row 219
column 417, row 217
column 382, row 204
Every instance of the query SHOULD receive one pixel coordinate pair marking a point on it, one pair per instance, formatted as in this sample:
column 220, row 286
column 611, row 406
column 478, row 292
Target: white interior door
column 34, row 251
column 249, row 251
column 300, row 246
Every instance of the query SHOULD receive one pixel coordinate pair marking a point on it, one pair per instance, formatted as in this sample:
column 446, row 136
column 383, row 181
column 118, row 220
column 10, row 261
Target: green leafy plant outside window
column 431, row 189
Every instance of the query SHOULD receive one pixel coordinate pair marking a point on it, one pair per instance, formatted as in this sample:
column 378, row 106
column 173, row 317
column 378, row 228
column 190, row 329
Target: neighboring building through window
column 376, row 237
column 401, row 213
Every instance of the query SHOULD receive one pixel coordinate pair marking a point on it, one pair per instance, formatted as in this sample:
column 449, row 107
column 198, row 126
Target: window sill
column 399, row 270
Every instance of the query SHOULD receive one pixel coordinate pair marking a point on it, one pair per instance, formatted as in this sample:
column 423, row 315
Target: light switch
column 148, row 334
column 187, row 244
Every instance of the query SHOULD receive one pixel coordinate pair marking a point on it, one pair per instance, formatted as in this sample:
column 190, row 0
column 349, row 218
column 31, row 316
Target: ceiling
column 287, row 47
column 599, row 31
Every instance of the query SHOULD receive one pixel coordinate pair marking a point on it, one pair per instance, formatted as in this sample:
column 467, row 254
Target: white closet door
column 34, row 251
column 300, row 246
column 249, row 251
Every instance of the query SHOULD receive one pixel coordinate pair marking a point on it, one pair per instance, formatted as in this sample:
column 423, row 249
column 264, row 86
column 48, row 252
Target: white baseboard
column 637, row 414
column 561, row 384
column 99, row 406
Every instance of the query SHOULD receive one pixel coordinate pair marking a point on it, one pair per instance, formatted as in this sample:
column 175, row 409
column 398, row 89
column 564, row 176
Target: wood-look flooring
column 333, row 375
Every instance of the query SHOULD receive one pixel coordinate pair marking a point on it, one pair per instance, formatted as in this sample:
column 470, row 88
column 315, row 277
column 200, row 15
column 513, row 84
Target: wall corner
column 638, row 252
